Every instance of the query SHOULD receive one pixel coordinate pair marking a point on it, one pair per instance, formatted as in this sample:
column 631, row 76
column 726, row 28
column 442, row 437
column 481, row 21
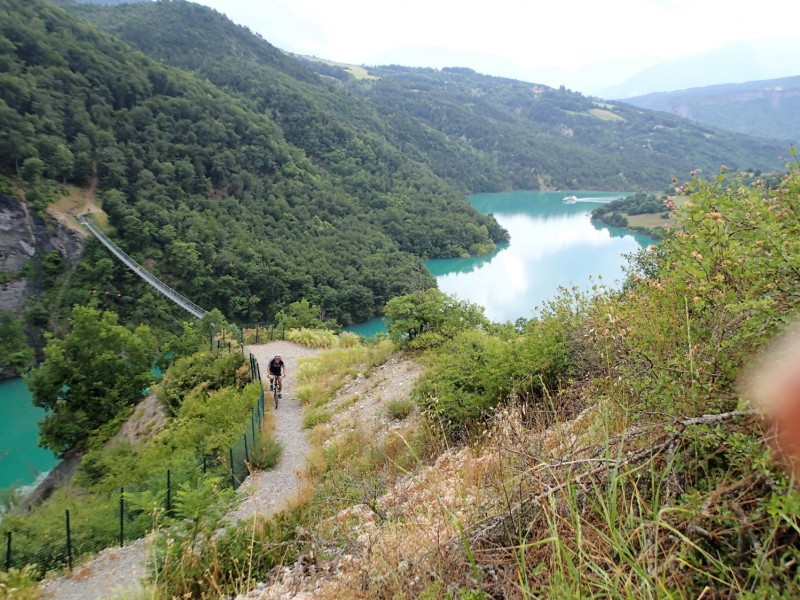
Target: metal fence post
column 233, row 475
column 204, row 464
column 69, row 543
column 8, row 551
column 121, row 517
column 246, row 451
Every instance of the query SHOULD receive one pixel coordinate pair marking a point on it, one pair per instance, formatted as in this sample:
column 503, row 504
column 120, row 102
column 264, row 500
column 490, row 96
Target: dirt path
column 78, row 201
column 266, row 492
column 117, row 572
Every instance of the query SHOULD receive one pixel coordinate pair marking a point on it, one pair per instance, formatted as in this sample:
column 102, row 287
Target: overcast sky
column 583, row 44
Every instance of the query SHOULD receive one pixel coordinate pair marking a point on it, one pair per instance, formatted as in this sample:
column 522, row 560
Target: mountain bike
column 275, row 390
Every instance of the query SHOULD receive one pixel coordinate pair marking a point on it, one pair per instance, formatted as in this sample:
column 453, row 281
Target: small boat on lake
column 570, row 199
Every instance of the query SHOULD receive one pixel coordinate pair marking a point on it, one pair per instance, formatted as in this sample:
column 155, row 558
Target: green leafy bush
column 477, row 370
column 465, row 382
column 14, row 350
column 95, row 370
column 315, row 415
column 211, row 370
column 19, row 584
column 198, row 563
column 719, row 287
column 427, row 318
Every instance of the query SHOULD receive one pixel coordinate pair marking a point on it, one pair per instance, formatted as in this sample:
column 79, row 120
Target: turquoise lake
column 21, row 459
column 552, row 244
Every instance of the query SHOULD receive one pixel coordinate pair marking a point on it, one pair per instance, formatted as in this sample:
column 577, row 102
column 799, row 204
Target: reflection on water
column 463, row 265
column 552, row 244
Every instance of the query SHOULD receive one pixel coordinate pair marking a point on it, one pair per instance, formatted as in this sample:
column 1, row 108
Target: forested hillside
column 209, row 190
column 247, row 180
column 336, row 127
column 481, row 133
column 768, row 108
column 564, row 139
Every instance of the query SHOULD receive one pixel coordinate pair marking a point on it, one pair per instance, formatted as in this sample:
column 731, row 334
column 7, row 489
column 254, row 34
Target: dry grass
column 74, row 202
column 650, row 220
column 538, row 509
column 545, row 505
column 605, row 115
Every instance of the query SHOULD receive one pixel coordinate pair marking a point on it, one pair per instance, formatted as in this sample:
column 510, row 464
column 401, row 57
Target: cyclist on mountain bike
column 276, row 370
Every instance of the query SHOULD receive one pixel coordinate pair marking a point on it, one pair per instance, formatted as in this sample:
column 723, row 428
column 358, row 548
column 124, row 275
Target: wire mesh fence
column 80, row 525
column 261, row 334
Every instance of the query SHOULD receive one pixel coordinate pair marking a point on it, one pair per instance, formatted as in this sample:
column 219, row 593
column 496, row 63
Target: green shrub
column 231, row 563
column 266, row 451
column 720, row 285
column 14, row 349
column 313, row 338
column 348, row 339
column 398, row 410
column 429, row 317
column 464, row 383
column 474, row 372
column 214, row 370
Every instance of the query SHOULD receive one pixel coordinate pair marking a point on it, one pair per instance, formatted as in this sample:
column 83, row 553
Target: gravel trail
column 266, row 492
column 117, row 572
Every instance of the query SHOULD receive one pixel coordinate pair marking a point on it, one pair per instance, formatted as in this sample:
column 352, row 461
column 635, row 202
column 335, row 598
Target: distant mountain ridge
column 734, row 63
column 768, row 108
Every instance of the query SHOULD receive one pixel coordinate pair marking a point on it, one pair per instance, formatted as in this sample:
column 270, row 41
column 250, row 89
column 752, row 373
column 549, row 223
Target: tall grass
column 318, row 379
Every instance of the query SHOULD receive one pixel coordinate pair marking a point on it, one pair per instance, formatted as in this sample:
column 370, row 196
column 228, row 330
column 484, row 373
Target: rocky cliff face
column 25, row 236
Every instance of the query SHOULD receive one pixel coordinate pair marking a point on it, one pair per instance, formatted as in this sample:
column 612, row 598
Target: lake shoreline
column 22, row 460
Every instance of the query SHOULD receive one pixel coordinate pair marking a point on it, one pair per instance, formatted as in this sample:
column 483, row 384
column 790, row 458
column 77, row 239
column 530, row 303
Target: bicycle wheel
column 275, row 394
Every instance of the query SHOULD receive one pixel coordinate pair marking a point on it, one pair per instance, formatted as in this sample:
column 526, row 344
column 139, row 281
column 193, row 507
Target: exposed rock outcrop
column 24, row 236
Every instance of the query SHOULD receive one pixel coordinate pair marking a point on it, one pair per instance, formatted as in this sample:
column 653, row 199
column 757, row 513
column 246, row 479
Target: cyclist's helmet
column 277, row 356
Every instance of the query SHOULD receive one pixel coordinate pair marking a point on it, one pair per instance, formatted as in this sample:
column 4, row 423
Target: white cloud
column 550, row 36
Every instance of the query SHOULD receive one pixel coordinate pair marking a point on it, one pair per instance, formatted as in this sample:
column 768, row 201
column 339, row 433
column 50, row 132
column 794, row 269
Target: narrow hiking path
column 267, row 492
column 117, row 572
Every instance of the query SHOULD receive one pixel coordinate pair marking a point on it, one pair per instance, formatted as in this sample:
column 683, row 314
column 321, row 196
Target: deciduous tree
column 89, row 375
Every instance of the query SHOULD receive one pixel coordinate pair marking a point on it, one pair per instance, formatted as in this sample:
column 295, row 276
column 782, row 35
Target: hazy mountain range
column 768, row 108
column 734, row 63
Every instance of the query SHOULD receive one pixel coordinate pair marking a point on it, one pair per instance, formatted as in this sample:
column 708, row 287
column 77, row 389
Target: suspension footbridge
column 154, row 281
